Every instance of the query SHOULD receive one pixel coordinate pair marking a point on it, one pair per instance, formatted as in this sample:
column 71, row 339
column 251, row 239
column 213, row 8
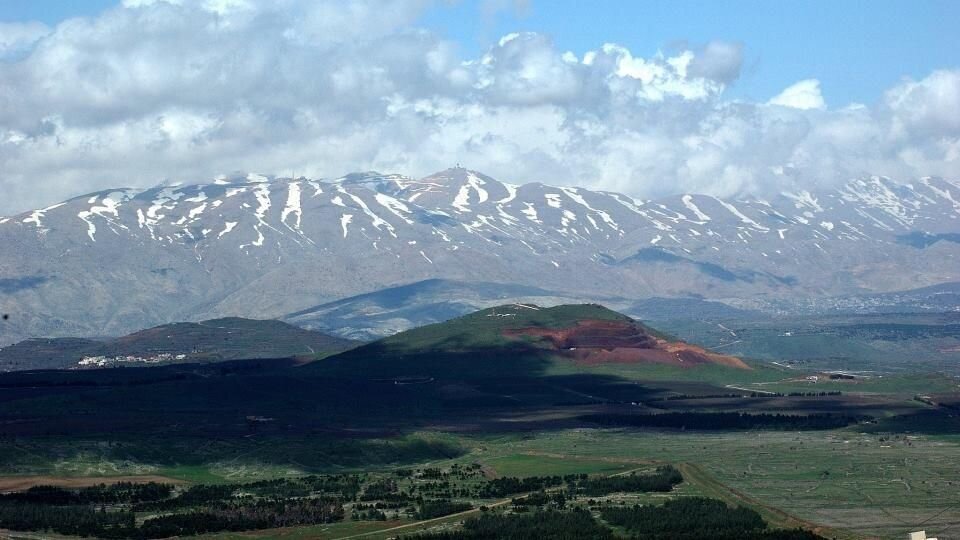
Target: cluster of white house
column 103, row 361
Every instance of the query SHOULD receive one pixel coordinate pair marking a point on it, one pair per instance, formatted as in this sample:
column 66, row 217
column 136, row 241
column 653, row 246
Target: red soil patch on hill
column 593, row 342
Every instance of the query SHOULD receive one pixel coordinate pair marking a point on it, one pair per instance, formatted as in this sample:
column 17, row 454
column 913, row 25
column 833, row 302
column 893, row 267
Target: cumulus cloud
column 801, row 95
column 184, row 90
column 719, row 60
column 18, row 38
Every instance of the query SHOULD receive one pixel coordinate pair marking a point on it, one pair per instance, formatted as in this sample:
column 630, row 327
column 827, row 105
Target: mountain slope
column 394, row 309
column 109, row 262
column 208, row 341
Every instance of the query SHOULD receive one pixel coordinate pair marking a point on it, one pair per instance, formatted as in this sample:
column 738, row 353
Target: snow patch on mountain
column 688, row 202
column 36, row 217
column 743, row 218
column 395, row 206
column 228, row 226
column 109, row 210
column 292, row 207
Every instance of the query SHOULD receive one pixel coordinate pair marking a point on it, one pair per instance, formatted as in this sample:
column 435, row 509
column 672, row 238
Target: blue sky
column 856, row 48
column 721, row 98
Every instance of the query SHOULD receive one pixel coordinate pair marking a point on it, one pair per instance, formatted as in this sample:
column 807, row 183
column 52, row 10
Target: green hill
column 208, row 341
column 485, row 328
column 520, row 339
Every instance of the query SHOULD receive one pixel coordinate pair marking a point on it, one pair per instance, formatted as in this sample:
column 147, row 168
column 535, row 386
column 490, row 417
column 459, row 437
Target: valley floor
column 840, row 484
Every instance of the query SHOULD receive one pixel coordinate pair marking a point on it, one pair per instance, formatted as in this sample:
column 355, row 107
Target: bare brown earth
column 592, row 342
column 19, row 483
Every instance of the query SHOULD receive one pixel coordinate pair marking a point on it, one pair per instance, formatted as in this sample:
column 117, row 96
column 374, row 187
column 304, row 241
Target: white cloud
column 928, row 107
column 801, row 95
column 189, row 89
column 18, row 38
column 719, row 60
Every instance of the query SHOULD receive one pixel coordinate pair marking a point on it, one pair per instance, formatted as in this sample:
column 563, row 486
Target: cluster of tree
column 345, row 485
column 444, row 489
column 696, row 518
column 549, row 525
column 342, row 486
column 433, row 473
column 662, row 481
column 725, row 420
column 384, row 505
column 379, row 489
column 430, row 486
column 371, row 514
column 192, row 523
column 278, row 489
column 91, row 520
column 243, row 516
column 509, row 485
column 675, row 397
column 196, row 495
column 120, row 493
column 541, row 499
column 441, row 507
column 464, row 472
column 70, row 520
column 752, row 395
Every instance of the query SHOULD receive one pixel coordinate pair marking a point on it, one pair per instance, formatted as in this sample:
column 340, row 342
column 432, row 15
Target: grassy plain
column 869, row 484
column 843, row 483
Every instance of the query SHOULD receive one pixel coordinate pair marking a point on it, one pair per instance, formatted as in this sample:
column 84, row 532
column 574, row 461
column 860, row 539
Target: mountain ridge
column 266, row 247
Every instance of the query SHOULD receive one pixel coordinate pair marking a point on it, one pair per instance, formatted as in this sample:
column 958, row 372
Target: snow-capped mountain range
column 118, row 260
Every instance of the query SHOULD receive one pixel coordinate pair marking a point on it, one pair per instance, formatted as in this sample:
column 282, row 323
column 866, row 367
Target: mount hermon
column 118, row 260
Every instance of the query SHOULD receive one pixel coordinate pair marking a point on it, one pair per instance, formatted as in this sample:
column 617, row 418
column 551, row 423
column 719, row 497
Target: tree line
column 725, row 420
column 661, row 481
column 696, row 518
column 119, row 493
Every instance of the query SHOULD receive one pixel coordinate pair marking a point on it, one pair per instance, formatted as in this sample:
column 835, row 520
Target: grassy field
column 345, row 529
column 853, row 484
column 521, row 465
column 847, row 485
column 868, row 484
column 771, row 377
column 892, row 342
column 843, row 484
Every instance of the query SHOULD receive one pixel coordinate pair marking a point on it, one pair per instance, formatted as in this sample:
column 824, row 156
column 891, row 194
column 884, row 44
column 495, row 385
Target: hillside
column 208, row 341
column 385, row 312
column 523, row 338
column 501, row 370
